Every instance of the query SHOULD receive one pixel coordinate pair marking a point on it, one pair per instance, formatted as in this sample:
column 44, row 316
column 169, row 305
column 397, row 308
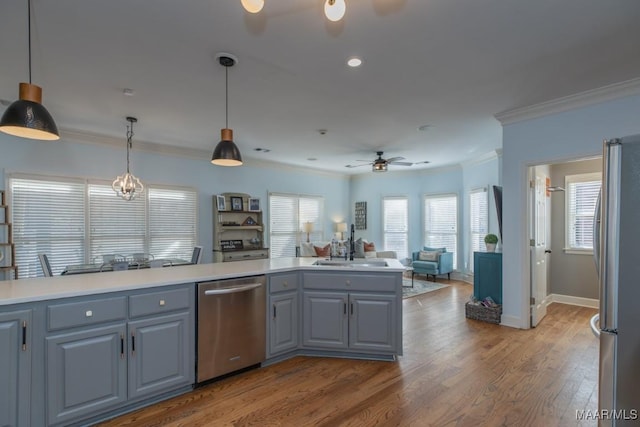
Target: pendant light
column 252, row 6
column 226, row 152
column 27, row 117
column 334, row 10
column 127, row 185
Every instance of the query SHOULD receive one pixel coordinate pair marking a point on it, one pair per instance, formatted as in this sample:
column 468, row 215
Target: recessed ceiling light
column 264, row 150
column 128, row 92
column 354, row 62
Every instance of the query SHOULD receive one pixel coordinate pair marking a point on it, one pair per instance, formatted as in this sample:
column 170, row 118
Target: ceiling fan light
column 334, row 10
column 379, row 167
column 226, row 152
column 252, row 6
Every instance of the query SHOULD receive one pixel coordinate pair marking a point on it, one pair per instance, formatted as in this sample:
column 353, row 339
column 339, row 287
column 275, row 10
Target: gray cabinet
column 283, row 312
column 105, row 353
column 15, row 368
column 86, row 372
column 352, row 311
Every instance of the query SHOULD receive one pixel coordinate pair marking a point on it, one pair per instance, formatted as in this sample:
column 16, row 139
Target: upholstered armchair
column 432, row 262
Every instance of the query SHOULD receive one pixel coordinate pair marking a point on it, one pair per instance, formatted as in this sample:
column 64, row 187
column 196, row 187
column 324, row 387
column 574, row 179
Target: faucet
column 352, row 243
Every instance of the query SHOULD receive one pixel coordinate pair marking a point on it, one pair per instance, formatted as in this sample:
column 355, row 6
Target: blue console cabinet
column 487, row 275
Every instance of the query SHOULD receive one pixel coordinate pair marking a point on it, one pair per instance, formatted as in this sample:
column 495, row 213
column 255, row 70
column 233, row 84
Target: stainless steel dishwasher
column 231, row 325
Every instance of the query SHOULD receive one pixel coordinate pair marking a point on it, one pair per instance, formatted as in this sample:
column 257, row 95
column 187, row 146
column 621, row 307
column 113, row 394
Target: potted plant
column 491, row 240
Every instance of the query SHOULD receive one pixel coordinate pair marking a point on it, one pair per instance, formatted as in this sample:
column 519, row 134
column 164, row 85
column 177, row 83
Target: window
column 395, row 215
column 78, row 221
column 581, row 196
column 441, row 223
column 288, row 214
column 479, row 214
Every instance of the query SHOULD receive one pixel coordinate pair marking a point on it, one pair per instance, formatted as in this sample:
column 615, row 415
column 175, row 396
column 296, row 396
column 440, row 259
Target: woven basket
column 480, row 312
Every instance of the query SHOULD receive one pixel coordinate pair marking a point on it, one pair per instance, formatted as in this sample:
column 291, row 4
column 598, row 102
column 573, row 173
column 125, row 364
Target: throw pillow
column 369, row 247
column 306, row 249
column 428, row 255
column 359, row 248
column 326, row 251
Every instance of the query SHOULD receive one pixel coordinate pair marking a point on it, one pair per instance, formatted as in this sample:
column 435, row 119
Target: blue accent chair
column 444, row 264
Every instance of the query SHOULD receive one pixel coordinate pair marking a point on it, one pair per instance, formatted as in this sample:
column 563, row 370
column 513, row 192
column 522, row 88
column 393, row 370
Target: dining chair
column 196, row 256
column 46, row 266
column 120, row 266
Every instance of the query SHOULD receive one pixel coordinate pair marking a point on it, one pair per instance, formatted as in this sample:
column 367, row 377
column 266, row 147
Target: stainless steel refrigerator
column 617, row 253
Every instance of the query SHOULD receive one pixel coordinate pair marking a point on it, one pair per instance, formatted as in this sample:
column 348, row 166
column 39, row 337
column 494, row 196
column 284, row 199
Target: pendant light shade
column 226, row 152
column 27, row 117
column 252, row 6
column 334, row 10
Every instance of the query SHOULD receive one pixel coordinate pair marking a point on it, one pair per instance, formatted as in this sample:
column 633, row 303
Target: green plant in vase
column 491, row 240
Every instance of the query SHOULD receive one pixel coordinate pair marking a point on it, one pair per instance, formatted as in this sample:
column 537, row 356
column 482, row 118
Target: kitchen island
column 77, row 349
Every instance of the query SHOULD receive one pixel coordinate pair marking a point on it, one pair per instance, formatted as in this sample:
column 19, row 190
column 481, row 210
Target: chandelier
column 127, row 185
column 334, row 10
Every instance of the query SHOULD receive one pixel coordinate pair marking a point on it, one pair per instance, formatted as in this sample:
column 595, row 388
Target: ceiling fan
column 381, row 165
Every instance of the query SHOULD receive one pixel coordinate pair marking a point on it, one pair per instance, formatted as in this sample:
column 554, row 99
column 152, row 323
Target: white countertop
column 45, row 288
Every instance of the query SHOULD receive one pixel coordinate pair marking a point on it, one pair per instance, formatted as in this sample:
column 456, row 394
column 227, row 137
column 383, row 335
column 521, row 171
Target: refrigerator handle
column 611, row 176
column 596, row 233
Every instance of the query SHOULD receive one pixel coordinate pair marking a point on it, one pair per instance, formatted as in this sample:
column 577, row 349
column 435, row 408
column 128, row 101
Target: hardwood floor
column 454, row 372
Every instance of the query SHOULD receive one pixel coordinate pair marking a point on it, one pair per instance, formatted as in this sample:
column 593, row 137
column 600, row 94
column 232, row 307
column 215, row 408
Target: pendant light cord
column 29, row 27
column 226, row 98
column 129, row 142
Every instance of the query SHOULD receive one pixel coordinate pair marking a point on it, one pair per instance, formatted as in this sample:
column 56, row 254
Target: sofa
column 432, row 262
column 314, row 249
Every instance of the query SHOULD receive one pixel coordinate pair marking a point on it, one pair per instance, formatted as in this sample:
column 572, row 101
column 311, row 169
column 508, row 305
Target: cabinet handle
column 345, row 309
column 121, row 346
column 352, row 309
column 274, row 311
column 24, row 335
column 133, row 343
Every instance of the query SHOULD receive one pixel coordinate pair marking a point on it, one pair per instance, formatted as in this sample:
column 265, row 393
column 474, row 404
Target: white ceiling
column 450, row 64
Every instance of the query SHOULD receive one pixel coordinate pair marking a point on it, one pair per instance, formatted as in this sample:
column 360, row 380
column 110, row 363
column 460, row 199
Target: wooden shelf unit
column 7, row 247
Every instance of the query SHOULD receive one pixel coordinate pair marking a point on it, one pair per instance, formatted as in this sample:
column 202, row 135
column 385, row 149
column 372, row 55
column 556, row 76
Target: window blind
column 441, row 223
column 287, row 215
column 479, row 216
column 396, row 225
column 47, row 217
column 581, row 196
column 172, row 222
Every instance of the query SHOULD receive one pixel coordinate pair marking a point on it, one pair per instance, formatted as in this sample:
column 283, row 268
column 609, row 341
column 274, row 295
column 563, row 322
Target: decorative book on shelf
column 8, row 267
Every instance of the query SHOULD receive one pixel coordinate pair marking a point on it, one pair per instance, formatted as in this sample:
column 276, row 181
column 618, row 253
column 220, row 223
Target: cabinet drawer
column 245, row 255
column 159, row 302
column 351, row 282
column 71, row 315
column 283, row 282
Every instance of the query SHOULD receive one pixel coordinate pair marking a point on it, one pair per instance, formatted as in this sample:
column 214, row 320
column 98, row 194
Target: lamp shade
column 307, row 227
column 226, row 152
column 334, row 10
column 27, row 117
column 341, row 227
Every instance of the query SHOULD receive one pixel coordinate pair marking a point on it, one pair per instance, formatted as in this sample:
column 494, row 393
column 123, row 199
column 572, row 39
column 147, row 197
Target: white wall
column 550, row 139
column 63, row 158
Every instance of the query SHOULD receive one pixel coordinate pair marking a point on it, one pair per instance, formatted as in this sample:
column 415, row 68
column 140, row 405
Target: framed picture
column 361, row 215
column 221, row 204
column 254, row 205
column 236, row 204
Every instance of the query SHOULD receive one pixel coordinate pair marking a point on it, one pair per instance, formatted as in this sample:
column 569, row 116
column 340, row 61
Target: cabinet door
column 372, row 322
column 86, row 372
column 15, row 368
column 283, row 327
column 325, row 320
column 160, row 356
column 487, row 277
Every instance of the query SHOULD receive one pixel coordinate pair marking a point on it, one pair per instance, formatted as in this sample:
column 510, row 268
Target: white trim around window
column 581, row 193
column 395, row 225
column 440, row 222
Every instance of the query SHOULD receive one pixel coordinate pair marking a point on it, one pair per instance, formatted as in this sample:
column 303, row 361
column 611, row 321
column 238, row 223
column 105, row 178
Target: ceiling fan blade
column 394, row 159
column 355, row 166
column 401, row 163
column 422, row 162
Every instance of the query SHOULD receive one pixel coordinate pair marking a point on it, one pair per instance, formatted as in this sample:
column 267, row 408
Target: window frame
column 456, row 234
column 296, row 234
column 569, row 215
column 404, row 232
column 484, row 222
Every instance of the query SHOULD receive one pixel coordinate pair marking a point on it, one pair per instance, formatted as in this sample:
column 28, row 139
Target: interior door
column 539, row 251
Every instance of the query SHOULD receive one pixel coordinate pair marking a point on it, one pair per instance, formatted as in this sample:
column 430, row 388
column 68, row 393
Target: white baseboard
column 568, row 299
column 511, row 321
column 458, row 275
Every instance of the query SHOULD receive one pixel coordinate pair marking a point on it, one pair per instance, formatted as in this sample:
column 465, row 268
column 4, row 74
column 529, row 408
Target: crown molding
column 486, row 157
column 148, row 147
column 566, row 103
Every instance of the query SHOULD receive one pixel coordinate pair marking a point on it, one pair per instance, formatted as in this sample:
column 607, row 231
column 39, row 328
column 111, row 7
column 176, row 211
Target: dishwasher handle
column 232, row 289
